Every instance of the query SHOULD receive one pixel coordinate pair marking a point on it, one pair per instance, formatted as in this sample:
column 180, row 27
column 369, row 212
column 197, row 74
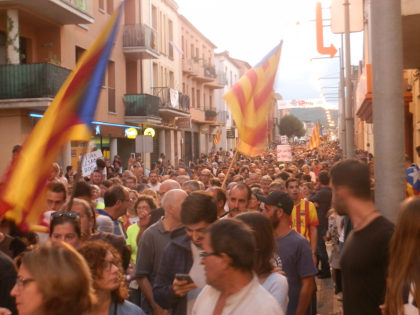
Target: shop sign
column 230, row 133
column 149, row 132
column 131, row 133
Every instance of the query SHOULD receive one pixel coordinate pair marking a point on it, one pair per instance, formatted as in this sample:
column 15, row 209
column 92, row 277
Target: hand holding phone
column 182, row 289
column 183, row 277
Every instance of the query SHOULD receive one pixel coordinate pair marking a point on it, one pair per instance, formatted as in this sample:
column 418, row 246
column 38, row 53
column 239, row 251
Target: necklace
column 364, row 221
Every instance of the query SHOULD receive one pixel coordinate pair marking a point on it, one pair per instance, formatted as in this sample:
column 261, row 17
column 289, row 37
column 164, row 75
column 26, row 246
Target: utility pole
column 341, row 108
column 348, row 106
column 388, row 106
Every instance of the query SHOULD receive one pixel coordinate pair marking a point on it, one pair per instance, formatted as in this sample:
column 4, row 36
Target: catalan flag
column 314, row 142
column 412, row 181
column 250, row 101
column 22, row 193
column 217, row 136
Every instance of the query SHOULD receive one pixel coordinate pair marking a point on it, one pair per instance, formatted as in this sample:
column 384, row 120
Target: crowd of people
column 224, row 234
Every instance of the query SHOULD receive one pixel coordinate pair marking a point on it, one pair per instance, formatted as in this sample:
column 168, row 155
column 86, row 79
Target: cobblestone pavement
column 328, row 303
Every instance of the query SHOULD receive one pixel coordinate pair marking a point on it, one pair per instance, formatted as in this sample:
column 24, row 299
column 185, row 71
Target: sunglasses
column 67, row 214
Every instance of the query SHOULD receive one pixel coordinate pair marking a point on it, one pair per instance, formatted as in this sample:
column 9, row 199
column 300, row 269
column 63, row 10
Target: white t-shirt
column 154, row 187
column 251, row 299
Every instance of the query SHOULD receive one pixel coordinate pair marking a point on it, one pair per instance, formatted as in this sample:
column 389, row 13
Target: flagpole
column 230, row 167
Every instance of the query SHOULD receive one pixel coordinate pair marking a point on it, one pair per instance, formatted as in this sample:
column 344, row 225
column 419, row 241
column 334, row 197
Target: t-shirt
column 304, row 216
column 364, row 262
column 323, row 198
column 149, row 253
column 251, row 299
column 296, row 256
column 7, row 281
column 125, row 308
column 277, row 285
column 132, row 232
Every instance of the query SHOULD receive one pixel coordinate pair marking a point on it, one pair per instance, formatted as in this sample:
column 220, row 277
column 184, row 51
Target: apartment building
column 161, row 76
column 200, row 80
column 231, row 70
column 40, row 43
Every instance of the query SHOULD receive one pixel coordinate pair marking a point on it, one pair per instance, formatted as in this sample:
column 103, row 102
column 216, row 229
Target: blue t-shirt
column 296, row 256
column 126, row 308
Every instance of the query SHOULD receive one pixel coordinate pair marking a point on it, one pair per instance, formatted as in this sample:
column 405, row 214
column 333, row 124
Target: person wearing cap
column 294, row 252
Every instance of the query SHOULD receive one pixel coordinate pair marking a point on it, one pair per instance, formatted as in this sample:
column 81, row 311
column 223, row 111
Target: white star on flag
column 415, row 174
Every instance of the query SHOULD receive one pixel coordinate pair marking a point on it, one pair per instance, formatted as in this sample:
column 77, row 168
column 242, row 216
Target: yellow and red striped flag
column 314, row 142
column 217, row 136
column 23, row 188
column 250, row 101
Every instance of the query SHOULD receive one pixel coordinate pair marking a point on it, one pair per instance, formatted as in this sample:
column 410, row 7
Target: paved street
column 328, row 303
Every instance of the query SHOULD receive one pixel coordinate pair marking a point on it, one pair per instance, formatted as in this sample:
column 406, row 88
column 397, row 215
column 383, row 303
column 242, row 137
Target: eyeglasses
column 21, row 282
column 68, row 214
column 109, row 263
column 205, row 254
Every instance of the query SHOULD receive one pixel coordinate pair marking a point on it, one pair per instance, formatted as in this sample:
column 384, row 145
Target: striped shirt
column 304, row 216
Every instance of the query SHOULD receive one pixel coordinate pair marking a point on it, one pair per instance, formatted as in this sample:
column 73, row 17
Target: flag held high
column 22, row 192
column 250, row 101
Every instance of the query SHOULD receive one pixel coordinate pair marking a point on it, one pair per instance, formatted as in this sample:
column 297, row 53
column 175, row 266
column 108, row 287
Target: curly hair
column 94, row 253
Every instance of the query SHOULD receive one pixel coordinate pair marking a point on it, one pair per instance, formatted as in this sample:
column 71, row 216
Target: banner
column 89, row 162
column 284, row 153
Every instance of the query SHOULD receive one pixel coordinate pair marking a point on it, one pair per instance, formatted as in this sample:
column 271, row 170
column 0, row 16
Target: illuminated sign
column 149, row 132
column 131, row 133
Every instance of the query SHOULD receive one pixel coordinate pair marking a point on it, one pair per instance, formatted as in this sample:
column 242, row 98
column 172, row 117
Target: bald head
column 171, row 203
column 168, row 185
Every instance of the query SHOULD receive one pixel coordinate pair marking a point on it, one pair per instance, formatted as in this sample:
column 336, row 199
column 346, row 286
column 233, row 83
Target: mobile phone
column 133, row 155
column 183, row 277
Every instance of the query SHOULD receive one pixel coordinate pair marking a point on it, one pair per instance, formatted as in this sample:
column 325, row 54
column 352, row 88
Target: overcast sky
column 249, row 29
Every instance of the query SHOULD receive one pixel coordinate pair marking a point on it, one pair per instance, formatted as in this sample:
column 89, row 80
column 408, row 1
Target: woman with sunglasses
column 108, row 279
column 53, row 279
column 65, row 227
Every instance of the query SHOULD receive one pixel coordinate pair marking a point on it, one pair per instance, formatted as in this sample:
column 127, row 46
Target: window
column 193, row 97
column 2, row 48
column 154, row 18
column 170, row 38
column 109, row 6
column 101, row 5
column 79, row 53
column 171, row 80
column 111, row 87
column 198, row 99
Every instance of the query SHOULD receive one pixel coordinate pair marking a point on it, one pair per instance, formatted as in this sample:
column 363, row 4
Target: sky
column 249, row 29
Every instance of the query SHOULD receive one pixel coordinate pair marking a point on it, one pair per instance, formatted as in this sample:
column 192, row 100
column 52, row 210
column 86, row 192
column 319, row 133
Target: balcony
column 173, row 103
column 219, row 81
column 187, row 66
column 142, row 108
column 62, row 12
column 30, row 85
column 140, row 42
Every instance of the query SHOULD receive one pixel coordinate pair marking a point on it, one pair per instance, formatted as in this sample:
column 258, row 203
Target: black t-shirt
column 364, row 263
column 7, row 281
column 323, row 198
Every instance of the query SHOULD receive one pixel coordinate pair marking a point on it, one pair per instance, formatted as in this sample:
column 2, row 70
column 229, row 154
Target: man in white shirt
column 232, row 287
column 154, row 181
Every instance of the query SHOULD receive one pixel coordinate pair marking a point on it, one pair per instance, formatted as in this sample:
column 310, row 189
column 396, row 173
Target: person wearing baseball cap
column 294, row 251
